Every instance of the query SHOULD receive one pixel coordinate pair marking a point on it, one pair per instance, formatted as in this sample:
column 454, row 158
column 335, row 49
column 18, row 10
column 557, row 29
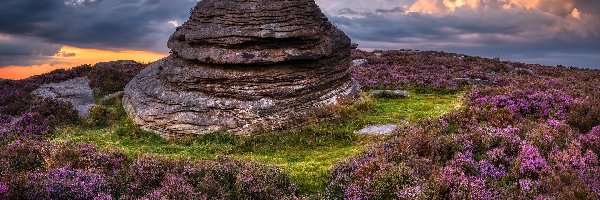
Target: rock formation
column 242, row 66
column 76, row 91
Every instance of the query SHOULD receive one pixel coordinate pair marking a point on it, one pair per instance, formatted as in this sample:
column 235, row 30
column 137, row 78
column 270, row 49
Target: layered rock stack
column 242, row 66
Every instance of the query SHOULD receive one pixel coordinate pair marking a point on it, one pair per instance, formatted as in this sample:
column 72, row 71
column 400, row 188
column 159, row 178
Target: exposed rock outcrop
column 243, row 66
column 76, row 91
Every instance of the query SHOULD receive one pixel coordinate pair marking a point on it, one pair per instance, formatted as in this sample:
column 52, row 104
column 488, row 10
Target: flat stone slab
column 385, row 129
column 76, row 91
column 473, row 81
column 359, row 62
column 393, row 94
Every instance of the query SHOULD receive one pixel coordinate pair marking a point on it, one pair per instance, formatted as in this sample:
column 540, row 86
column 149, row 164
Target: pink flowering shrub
column 40, row 170
column 533, row 134
column 426, row 70
column 65, row 183
column 476, row 161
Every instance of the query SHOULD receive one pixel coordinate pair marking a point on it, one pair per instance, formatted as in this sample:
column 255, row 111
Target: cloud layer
column 538, row 31
column 32, row 30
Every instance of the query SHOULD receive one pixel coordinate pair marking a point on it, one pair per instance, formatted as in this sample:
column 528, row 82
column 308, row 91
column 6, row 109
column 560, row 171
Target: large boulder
column 76, row 91
column 244, row 66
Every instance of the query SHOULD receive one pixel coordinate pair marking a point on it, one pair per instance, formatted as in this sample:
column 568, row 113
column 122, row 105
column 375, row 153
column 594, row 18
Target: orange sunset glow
column 69, row 57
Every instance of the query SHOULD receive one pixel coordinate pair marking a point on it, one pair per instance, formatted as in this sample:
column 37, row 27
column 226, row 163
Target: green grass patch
column 307, row 153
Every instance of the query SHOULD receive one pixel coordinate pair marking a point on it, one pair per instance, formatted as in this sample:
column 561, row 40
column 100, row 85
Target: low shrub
column 66, row 183
column 585, row 114
column 525, row 138
column 23, row 156
column 102, row 116
column 111, row 77
column 40, row 170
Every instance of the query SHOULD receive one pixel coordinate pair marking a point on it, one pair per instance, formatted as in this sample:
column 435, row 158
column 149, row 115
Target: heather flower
column 497, row 155
column 527, row 185
column 23, row 156
column 67, row 183
column 486, row 169
column 530, row 160
column 174, row 187
column 356, row 192
column 462, row 186
column 528, row 102
column 148, row 173
column 103, row 196
column 592, row 139
column 411, row 192
column 3, row 189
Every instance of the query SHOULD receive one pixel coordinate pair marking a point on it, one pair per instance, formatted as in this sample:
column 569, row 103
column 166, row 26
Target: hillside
column 472, row 128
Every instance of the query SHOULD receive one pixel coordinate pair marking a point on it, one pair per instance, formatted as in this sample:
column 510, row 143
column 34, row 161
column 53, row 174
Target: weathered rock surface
column 244, row 66
column 76, row 91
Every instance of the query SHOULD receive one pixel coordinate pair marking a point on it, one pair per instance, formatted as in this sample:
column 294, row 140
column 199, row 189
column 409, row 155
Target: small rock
column 473, row 81
column 523, row 71
column 392, row 94
column 385, row 129
column 359, row 62
column 76, row 91
column 112, row 96
column 354, row 46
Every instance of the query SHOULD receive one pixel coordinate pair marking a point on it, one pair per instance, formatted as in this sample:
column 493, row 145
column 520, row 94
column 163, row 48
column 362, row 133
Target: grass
column 306, row 153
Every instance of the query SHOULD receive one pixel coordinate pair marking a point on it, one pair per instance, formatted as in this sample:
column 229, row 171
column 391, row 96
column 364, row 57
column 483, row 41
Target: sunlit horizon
column 69, row 57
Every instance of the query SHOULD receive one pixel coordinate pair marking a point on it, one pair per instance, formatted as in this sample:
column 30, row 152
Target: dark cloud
column 527, row 35
column 32, row 30
column 112, row 24
column 588, row 6
column 25, row 51
column 393, row 10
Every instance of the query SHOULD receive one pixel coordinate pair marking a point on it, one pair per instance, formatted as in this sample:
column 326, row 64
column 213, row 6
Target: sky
column 38, row 36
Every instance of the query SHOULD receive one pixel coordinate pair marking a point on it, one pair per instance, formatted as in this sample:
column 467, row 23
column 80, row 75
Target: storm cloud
column 33, row 29
column 25, row 51
column 538, row 31
column 549, row 32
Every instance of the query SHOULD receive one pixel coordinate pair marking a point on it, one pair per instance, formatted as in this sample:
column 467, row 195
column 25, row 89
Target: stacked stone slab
column 243, row 66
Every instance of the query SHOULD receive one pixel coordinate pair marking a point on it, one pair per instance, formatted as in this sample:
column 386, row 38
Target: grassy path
column 306, row 153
